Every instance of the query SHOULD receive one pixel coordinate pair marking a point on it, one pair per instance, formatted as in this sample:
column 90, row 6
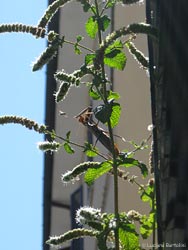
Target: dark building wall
column 169, row 92
column 50, row 122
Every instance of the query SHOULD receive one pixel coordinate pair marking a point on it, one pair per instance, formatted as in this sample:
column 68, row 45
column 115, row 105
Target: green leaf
column 129, row 240
column 114, row 57
column 86, row 5
column 68, row 148
column 91, row 27
column 93, row 94
column 68, row 135
column 144, row 169
column 103, row 112
column 115, row 114
column 95, row 172
column 89, row 58
column 147, row 194
column 90, row 150
column 77, row 50
column 147, row 225
column 145, row 233
column 79, row 38
column 126, row 225
column 113, row 95
column 131, row 162
column 104, row 22
column 73, row 174
column 110, row 4
column 97, row 80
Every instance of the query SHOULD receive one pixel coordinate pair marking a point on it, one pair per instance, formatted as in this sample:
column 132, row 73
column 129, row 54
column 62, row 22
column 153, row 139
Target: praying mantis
column 85, row 117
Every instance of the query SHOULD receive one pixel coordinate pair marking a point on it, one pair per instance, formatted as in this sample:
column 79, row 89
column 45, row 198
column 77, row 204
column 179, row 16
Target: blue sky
column 21, row 163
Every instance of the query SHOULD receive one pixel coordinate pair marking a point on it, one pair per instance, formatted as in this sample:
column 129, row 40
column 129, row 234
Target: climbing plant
column 112, row 230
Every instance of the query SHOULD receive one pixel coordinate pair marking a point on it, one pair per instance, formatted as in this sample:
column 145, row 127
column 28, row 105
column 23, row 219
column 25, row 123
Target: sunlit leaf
column 68, row 148
column 104, row 112
column 113, row 95
column 145, row 233
column 77, row 50
column 73, row 175
column 91, row 27
column 148, row 223
column 94, row 95
column 89, row 58
column 129, row 240
column 131, row 162
column 95, row 172
column 110, row 3
column 147, row 194
column 90, row 150
column 114, row 57
column 115, row 114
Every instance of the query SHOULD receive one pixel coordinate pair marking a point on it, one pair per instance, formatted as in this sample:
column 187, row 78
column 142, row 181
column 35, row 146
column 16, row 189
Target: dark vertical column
column 50, row 122
column 171, row 119
column 152, row 17
column 174, row 120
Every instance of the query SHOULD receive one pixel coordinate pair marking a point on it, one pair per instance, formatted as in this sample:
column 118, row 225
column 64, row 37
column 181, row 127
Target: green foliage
column 104, row 22
column 67, row 145
column 90, row 150
column 129, row 240
column 94, row 94
column 112, row 230
column 94, row 172
column 127, row 162
column 147, row 224
column 95, row 23
column 102, row 112
column 113, row 95
column 89, row 58
column 86, row 5
column 92, row 27
column 115, row 115
column 148, row 193
column 110, row 111
column 78, row 170
column 76, row 46
column 114, row 57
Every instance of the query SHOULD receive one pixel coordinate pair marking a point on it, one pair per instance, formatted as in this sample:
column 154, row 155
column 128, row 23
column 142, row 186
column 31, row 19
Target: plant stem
column 153, row 209
column 81, row 46
column 77, row 145
column 115, row 170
